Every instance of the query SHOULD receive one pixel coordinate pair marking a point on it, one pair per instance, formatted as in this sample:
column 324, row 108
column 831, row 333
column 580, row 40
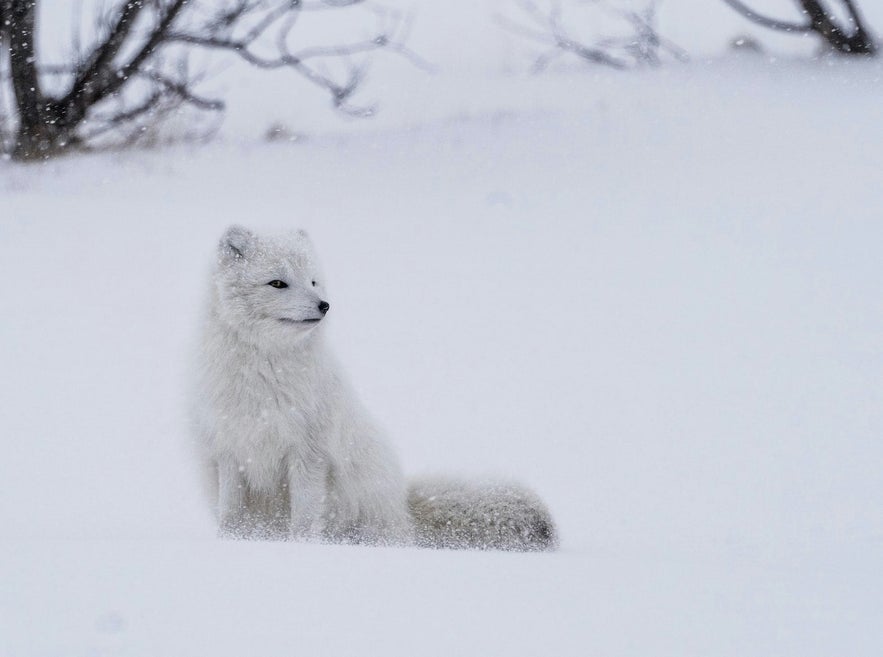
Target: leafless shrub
column 140, row 70
column 544, row 24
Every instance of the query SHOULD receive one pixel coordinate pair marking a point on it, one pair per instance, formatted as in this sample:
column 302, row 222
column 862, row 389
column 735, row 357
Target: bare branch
column 402, row 31
column 182, row 90
column 857, row 41
column 126, row 116
column 98, row 78
column 98, row 65
column 822, row 21
column 547, row 27
column 127, row 68
column 156, row 38
column 771, row 23
column 285, row 58
column 645, row 43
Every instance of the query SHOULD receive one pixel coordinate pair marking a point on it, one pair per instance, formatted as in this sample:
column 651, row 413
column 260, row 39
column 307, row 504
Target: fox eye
column 278, row 284
column 314, row 283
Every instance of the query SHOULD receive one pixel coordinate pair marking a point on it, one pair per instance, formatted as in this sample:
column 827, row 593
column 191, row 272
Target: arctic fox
column 291, row 452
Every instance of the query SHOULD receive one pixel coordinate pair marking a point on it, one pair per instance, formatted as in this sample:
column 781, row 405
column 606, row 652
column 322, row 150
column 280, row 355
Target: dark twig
column 855, row 41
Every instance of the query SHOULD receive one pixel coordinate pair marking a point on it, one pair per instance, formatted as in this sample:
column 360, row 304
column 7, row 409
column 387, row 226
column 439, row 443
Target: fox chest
column 266, row 418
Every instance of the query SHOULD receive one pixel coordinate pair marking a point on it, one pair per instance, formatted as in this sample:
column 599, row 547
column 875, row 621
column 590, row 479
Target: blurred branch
column 546, row 27
column 646, row 43
column 771, row 23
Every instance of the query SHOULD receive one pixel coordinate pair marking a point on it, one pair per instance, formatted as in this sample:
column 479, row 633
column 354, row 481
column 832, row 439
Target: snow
column 652, row 295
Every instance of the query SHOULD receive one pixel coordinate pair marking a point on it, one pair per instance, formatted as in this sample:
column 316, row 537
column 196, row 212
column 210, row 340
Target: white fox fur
column 292, row 451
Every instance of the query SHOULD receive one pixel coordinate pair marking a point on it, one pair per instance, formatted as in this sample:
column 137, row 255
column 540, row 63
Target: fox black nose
column 324, row 306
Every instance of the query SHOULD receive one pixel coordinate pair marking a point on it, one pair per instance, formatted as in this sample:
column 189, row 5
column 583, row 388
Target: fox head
column 269, row 288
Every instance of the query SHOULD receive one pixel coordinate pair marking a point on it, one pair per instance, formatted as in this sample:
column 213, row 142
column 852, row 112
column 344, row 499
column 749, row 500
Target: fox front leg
column 306, row 489
column 232, row 511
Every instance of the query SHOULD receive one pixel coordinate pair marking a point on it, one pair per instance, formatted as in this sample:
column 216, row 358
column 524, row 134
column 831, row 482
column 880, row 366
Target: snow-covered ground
column 655, row 296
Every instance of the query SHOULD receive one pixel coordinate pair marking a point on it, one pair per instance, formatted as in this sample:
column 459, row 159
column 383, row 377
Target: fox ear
column 236, row 243
column 303, row 237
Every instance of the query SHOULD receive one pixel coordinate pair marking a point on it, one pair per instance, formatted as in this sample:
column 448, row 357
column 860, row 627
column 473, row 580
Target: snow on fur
column 490, row 516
